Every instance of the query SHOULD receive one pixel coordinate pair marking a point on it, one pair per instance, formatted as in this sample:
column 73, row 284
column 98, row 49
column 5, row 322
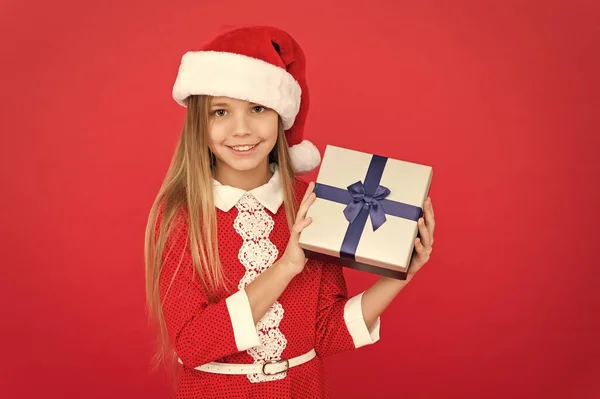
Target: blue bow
column 361, row 199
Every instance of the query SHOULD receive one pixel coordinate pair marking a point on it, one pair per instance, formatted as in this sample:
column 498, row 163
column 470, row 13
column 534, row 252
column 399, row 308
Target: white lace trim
column 257, row 254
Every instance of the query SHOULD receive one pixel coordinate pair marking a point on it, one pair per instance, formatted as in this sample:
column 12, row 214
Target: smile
column 243, row 149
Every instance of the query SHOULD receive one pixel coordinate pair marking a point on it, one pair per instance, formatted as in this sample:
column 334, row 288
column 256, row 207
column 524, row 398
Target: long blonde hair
column 187, row 191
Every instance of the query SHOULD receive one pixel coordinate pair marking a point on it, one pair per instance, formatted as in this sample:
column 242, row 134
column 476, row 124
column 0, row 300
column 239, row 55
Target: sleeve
column 201, row 331
column 340, row 321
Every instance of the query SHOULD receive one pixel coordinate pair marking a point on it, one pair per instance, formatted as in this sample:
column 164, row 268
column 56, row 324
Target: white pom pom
column 305, row 157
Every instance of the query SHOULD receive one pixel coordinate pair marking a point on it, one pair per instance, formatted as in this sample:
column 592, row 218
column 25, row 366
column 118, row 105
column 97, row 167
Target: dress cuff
column 353, row 316
column 240, row 313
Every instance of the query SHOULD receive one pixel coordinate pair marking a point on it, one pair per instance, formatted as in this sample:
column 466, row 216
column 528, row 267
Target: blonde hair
column 187, row 188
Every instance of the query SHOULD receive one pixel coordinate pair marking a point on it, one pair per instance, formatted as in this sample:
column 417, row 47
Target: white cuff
column 353, row 316
column 240, row 313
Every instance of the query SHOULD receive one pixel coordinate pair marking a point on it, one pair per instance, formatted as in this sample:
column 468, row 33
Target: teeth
column 243, row 147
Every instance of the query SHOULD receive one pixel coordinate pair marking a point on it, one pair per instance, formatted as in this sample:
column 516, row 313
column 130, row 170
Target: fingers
column 426, row 225
column 429, row 204
column 307, row 201
column 309, row 190
column 424, row 233
column 429, row 218
column 301, row 220
column 423, row 244
column 299, row 226
column 422, row 252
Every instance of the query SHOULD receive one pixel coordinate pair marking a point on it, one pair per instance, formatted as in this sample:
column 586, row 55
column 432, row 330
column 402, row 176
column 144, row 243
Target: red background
column 501, row 98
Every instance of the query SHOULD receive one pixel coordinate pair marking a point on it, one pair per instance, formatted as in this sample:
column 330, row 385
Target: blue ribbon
column 363, row 200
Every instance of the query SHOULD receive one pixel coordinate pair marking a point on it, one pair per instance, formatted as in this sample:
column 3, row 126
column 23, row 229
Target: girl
column 238, row 305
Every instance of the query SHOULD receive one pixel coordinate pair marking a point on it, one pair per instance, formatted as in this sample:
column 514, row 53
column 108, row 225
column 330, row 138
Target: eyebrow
column 222, row 104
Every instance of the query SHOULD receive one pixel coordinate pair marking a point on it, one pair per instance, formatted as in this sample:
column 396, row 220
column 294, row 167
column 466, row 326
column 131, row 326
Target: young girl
column 238, row 304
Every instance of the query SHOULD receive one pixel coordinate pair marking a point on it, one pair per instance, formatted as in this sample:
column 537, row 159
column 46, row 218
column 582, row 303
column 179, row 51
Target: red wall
column 501, row 99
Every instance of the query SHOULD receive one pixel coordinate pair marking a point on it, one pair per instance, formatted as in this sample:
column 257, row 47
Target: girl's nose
column 242, row 127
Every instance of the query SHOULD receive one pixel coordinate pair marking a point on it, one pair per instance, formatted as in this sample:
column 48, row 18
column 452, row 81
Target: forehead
column 220, row 100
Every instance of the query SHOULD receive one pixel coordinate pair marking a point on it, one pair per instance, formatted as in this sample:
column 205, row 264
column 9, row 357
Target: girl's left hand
column 424, row 244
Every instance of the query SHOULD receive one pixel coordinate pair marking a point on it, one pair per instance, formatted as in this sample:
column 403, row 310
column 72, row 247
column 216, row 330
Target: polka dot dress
column 308, row 315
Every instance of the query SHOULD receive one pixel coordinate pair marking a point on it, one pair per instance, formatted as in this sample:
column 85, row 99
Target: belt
column 271, row 367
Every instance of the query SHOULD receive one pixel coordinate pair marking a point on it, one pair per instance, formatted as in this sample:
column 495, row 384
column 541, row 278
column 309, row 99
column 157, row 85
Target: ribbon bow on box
column 362, row 199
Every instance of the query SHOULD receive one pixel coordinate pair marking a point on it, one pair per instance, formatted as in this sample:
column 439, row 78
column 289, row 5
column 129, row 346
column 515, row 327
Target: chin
column 243, row 166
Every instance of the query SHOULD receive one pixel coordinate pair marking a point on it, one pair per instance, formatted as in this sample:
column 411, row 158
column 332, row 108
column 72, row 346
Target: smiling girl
column 237, row 304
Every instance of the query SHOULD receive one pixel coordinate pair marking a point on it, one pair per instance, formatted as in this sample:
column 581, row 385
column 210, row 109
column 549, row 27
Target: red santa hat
column 260, row 64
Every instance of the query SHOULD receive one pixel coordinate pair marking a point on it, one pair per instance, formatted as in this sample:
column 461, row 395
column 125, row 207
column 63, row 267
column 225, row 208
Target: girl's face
column 241, row 134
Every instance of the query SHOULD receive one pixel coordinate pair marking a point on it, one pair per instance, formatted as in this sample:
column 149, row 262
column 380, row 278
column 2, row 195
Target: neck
column 246, row 179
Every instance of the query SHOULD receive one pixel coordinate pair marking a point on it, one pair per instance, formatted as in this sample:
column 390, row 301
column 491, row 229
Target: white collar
column 270, row 195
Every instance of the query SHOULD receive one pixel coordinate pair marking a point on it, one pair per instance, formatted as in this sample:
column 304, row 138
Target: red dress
column 313, row 312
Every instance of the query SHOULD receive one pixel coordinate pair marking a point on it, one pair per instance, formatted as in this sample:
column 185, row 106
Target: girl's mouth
column 243, row 149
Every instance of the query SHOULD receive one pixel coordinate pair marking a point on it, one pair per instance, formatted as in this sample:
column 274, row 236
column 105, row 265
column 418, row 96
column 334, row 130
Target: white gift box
column 366, row 212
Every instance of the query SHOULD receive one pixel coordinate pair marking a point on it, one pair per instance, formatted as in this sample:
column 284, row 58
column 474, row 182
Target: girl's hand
column 424, row 244
column 294, row 255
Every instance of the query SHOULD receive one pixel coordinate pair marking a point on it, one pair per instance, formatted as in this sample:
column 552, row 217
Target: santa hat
column 260, row 64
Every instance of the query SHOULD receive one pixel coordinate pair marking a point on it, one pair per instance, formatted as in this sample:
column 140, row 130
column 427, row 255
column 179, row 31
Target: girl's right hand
column 294, row 255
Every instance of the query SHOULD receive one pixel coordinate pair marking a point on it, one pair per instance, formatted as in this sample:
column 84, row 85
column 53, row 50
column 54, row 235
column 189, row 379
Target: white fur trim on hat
column 305, row 157
column 238, row 76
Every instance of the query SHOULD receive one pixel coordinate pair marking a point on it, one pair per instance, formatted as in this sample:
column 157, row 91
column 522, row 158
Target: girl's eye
column 220, row 112
column 258, row 109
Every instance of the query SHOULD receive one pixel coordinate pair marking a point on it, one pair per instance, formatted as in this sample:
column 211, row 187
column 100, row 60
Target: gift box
column 366, row 212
